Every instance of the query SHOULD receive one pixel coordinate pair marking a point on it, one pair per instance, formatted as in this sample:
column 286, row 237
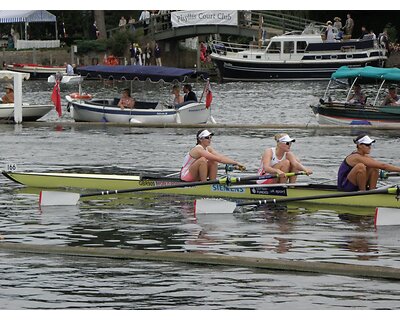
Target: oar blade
column 58, row 198
column 387, row 216
column 213, row 206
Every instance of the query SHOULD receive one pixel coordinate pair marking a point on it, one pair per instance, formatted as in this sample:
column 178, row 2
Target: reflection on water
column 139, row 221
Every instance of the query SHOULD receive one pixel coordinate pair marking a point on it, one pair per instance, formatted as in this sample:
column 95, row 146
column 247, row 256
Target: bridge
column 249, row 25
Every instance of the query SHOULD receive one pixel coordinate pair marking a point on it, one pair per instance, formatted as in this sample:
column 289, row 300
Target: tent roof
column 15, row 16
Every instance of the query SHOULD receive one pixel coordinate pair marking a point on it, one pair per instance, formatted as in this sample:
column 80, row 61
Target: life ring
column 83, row 96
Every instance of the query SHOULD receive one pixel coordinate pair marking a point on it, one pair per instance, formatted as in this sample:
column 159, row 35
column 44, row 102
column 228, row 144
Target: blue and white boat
column 85, row 109
column 107, row 110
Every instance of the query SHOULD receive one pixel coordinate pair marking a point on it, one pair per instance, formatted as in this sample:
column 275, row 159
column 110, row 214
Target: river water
column 140, row 221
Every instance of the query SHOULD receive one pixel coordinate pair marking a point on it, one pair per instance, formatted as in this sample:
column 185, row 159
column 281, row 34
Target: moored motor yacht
column 294, row 56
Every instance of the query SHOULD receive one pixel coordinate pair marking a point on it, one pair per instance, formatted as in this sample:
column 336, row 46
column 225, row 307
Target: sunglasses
column 208, row 138
column 287, row 143
column 367, row 144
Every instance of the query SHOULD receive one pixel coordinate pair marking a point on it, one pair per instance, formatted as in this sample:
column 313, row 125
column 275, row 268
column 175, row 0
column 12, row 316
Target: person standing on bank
column 201, row 162
column 280, row 160
column 359, row 171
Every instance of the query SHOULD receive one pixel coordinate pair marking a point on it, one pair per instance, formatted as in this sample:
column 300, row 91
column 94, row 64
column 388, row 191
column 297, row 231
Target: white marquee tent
column 26, row 17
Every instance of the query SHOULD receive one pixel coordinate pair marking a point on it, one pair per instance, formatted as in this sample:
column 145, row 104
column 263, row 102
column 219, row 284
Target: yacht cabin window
column 301, row 46
column 288, row 47
column 274, row 47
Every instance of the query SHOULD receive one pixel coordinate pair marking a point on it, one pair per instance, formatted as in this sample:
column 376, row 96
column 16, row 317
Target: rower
column 280, row 160
column 201, row 162
column 359, row 171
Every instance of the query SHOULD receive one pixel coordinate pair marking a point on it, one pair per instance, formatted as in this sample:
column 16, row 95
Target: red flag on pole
column 56, row 97
column 208, row 95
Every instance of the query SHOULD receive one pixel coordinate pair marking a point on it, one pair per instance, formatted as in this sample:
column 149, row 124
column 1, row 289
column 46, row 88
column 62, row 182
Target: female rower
column 280, row 160
column 201, row 162
column 359, row 171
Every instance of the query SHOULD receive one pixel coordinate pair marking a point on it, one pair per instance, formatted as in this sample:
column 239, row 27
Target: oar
column 224, row 206
column 57, row 198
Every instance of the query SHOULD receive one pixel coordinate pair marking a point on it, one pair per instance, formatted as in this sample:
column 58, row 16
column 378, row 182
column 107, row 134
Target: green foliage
column 85, row 46
column 392, row 32
column 119, row 43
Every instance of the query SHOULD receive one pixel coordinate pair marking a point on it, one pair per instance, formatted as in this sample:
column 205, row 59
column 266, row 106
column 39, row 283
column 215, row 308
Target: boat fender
column 83, row 96
column 133, row 120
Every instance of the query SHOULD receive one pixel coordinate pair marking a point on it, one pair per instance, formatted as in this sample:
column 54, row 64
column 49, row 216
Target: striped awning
column 15, row 16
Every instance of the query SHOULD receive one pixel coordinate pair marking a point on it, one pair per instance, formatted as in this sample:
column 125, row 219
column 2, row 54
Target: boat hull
column 29, row 112
column 235, row 70
column 105, row 111
column 36, row 71
column 342, row 114
column 120, row 182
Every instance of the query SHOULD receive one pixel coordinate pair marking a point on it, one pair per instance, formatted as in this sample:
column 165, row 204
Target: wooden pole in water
column 343, row 269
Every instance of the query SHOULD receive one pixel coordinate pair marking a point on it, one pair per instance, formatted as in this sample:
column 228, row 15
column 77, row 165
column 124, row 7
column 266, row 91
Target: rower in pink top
column 280, row 160
column 201, row 162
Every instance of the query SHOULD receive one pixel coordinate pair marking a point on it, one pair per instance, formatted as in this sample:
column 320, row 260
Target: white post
column 18, row 97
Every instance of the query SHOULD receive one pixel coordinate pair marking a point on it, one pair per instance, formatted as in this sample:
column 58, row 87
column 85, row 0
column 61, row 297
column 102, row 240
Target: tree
column 101, row 23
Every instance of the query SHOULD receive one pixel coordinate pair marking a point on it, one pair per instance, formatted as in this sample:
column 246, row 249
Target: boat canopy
column 391, row 74
column 142, row 73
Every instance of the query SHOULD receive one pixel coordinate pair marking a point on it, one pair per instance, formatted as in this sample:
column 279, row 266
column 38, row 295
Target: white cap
column 364, row 140
column 204, row 133
column 286, row 138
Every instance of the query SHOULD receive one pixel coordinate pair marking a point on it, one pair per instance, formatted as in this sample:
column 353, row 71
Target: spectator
column 145, row 19
column 93, row 32
column 337, row 24
column 122, row 22
column 329, row 32
column 383, row 41
column 9, row 96
column 147, row 54
column 357, row 97
column 392, row 98
column 349, row 26
column 68, row 69
column 189, row 94
column 157, row 55
column 364, row 32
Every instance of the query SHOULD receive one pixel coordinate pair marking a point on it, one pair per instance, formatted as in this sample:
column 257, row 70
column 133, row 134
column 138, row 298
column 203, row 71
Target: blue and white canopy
column 16, row 16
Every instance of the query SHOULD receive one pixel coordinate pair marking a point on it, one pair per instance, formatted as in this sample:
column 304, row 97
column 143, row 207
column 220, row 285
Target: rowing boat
column 239, row 191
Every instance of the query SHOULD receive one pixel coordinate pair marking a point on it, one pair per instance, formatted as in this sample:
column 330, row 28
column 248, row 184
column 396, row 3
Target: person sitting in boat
column 201, row 162
column 9, row 96
column 189, row 94
column 392, row 99
column 357, row 97
column 359, row 171
column 280, row 160
column 178, row 99
column 126, row 101
column 68, row 69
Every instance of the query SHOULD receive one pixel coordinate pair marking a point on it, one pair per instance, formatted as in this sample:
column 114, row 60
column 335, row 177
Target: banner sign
column 196, row 17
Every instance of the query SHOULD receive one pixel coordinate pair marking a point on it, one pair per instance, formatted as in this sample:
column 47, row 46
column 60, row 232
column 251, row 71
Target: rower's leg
column 212, row 169
column 199, row 169
column 358, row 176
column 372, row 177
column 284, row 166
